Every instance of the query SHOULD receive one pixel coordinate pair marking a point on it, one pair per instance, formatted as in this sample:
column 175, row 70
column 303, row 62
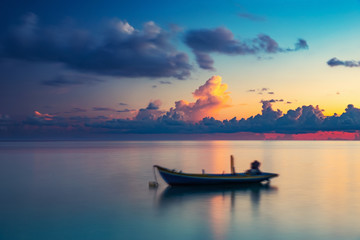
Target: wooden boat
column 173, row 177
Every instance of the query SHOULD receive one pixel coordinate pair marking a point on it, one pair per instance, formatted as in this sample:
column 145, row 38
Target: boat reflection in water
column 177, row 194
column 220, row 210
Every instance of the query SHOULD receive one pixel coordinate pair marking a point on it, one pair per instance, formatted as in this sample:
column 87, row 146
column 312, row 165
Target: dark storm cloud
column 203, row 42
column 336, row 62
column 120, row 51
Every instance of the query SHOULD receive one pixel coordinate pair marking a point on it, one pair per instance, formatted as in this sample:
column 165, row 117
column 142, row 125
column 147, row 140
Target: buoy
column 153, row 184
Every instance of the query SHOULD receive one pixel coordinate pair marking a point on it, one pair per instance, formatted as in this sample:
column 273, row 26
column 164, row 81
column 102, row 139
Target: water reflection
column 175, row 194
column 219, row 205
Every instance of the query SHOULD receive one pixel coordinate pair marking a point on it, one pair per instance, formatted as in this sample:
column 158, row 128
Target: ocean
column 99, row 190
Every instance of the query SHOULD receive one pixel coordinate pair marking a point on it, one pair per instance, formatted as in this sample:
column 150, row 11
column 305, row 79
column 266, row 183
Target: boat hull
column 172, row 177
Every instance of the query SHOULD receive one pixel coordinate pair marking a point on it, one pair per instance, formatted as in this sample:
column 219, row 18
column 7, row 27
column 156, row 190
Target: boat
column 173, row 177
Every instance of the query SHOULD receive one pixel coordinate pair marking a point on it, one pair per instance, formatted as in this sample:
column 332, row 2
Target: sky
column 180, row 69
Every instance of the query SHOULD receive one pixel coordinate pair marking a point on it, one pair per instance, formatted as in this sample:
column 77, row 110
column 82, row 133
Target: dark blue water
column 99, row 190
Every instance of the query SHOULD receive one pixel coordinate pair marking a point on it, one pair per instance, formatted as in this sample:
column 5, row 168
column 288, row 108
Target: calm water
column 99, row 190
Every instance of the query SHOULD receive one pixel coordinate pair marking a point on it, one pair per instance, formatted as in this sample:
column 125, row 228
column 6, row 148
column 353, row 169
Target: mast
column 232, row 165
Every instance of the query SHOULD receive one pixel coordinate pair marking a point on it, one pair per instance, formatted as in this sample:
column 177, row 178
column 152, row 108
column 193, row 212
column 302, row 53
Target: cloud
column 302, row 120
column 77, row 110
column 44, row 116
column 25, row 32
column 106, row 109
column 61, row 81
column 126, row 110
column 123, row 104
column 265, row 120
column 336, row 62
column 121, row 50
column 45, row 119
column 203, row 42
column 261, row 91
column 272, row 100
column 4, row 118
column 301, row 44
column 196, row 117
column 101, row 117
column 165, row 82
column 5, row 122
column 349, row 120
column 210, row 98
column 251, row 17
column 305, row 119
column 154, row 105
column 204, row 60
column 151, row 112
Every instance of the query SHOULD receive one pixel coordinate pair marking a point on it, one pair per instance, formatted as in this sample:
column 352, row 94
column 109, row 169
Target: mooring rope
column 155, row 174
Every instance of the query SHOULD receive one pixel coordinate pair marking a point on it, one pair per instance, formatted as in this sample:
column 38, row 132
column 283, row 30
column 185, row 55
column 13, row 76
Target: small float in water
column 254, row 175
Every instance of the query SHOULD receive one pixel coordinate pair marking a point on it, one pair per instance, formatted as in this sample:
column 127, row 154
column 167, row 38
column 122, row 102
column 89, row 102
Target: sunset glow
column 116, row 73
column 210, row 99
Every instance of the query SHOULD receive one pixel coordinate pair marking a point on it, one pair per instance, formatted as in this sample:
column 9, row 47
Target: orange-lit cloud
column 210, row 99
column 44, row 116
